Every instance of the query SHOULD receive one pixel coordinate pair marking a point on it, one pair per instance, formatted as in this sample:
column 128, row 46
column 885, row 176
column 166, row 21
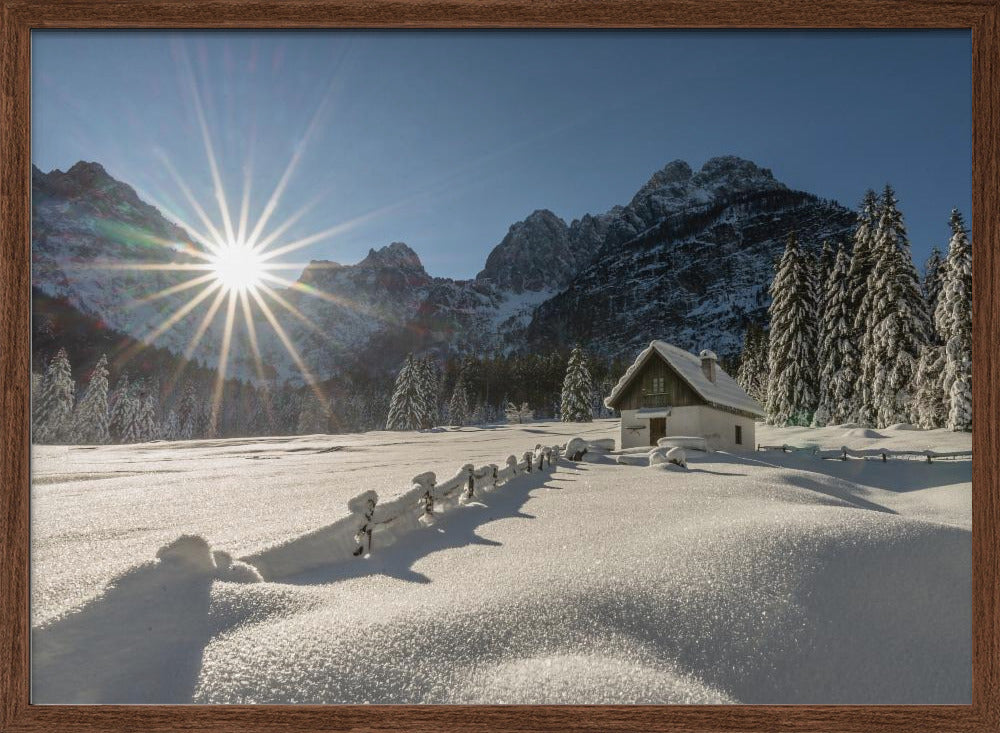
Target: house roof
column 724, row 392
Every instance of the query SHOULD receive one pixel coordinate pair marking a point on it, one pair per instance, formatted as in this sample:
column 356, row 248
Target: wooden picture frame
column 19, row 17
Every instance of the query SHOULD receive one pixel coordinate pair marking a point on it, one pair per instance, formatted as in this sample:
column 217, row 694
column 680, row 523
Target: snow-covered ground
column 761, row 578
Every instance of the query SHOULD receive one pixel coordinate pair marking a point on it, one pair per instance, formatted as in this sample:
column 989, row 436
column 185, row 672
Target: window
column 739, row 435
column 658, row 386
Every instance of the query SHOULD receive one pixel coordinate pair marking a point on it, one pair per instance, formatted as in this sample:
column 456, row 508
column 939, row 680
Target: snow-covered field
column 761, row 578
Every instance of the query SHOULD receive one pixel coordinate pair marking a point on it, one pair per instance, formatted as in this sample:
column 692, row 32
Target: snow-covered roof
column 724, row 392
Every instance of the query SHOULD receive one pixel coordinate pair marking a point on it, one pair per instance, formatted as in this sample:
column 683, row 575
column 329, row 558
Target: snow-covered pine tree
column 577, row 387
column 189, row 413
column 428, row 380
column 520, row 414
column 791, row 394
column 824, row 266
column 898, row 326
column 171, row 428
column 139, row 415
column 314, row 414
column 861, row 306
column 752, row 373
column 953, row 320
column 930, row 404
column 934, row 271
column 836, row 334
column 118, row 407
column 56, row 398
column 458, row 406
column 91, row 417
column 407, row 408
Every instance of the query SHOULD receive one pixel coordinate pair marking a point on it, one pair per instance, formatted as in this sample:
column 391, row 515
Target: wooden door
column 657, row 429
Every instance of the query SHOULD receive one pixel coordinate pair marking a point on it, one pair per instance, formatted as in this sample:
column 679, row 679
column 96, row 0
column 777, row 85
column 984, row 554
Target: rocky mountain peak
column 534, row 255
column 396, row 255
column 677, row 171
column 731, row 171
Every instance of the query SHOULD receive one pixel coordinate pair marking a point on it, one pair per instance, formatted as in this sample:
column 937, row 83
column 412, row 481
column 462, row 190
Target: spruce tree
column 835, row 343
column 953, row 320
column 189, row 413
column 407, row 408
column 91, row 417
column 791, row 394
column 934, row 272
column 930, row 404
column 577, row 389
column 458, row 406
column 55, row 408
column 140, row 422
column 898, row 326
column 752, row 374
column 314, row 414
column 428, row 381
column 119, row 407
column 171, row 429
column 861, row 305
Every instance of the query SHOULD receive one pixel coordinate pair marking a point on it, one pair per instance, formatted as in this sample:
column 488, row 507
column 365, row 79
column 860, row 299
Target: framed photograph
column 499, row 366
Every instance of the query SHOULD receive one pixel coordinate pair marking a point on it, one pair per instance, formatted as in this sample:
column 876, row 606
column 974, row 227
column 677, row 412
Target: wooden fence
column 372, row 523
column 843, row 453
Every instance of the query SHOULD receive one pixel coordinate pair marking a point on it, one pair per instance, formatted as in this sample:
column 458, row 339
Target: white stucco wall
column 716, row 426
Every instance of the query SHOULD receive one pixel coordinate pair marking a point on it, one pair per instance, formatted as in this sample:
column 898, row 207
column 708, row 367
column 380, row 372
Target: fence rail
column 843, row 453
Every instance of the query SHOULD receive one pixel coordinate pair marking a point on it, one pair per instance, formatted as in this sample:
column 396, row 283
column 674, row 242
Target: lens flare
column 237, row 266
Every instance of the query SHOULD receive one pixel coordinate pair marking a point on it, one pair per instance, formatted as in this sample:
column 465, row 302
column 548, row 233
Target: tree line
column 425, row 393
column 855, row 336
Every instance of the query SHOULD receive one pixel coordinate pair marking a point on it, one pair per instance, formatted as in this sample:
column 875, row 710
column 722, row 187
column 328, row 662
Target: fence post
column 365, row 530
column 844, row 457
column 528, row 457
column 883, row 457
column 472, row 480
column 928, row 457
column 512, row 465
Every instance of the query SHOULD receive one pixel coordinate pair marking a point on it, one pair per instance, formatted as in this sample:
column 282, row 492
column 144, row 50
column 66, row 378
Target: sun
column 237, row 267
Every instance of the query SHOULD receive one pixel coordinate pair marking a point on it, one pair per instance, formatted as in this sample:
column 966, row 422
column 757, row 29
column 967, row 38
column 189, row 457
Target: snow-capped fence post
column 427, row 481
column 512, row 465
column 471, row 470
column 528, row 456
column 363, row 505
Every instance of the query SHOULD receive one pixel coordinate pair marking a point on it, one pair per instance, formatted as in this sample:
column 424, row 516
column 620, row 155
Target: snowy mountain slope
column 743, row 579
column 85, row 224
column 688, row 260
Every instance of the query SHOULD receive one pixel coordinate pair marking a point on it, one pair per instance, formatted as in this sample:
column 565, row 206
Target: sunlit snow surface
column 766, row 578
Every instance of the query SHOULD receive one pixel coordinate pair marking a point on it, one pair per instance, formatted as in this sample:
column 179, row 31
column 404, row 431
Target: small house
column 671, row 392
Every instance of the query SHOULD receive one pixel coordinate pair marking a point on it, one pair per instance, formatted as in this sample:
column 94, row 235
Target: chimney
column 708, row 359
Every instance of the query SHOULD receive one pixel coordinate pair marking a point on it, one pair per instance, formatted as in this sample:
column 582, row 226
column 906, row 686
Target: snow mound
column 663, row 455
column 903, row 426
column 188, row 551
column 862, row 433
column 605, row 445
column 576, row 448
column 234, row 571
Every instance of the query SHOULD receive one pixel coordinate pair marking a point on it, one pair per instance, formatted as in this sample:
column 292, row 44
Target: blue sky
column 444, row 139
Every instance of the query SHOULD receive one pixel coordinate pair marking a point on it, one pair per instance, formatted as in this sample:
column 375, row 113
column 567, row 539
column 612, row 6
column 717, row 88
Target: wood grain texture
column 19, row 17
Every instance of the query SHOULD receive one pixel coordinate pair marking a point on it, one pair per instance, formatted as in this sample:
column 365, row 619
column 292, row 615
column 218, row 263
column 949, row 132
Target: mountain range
column 687, row 260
